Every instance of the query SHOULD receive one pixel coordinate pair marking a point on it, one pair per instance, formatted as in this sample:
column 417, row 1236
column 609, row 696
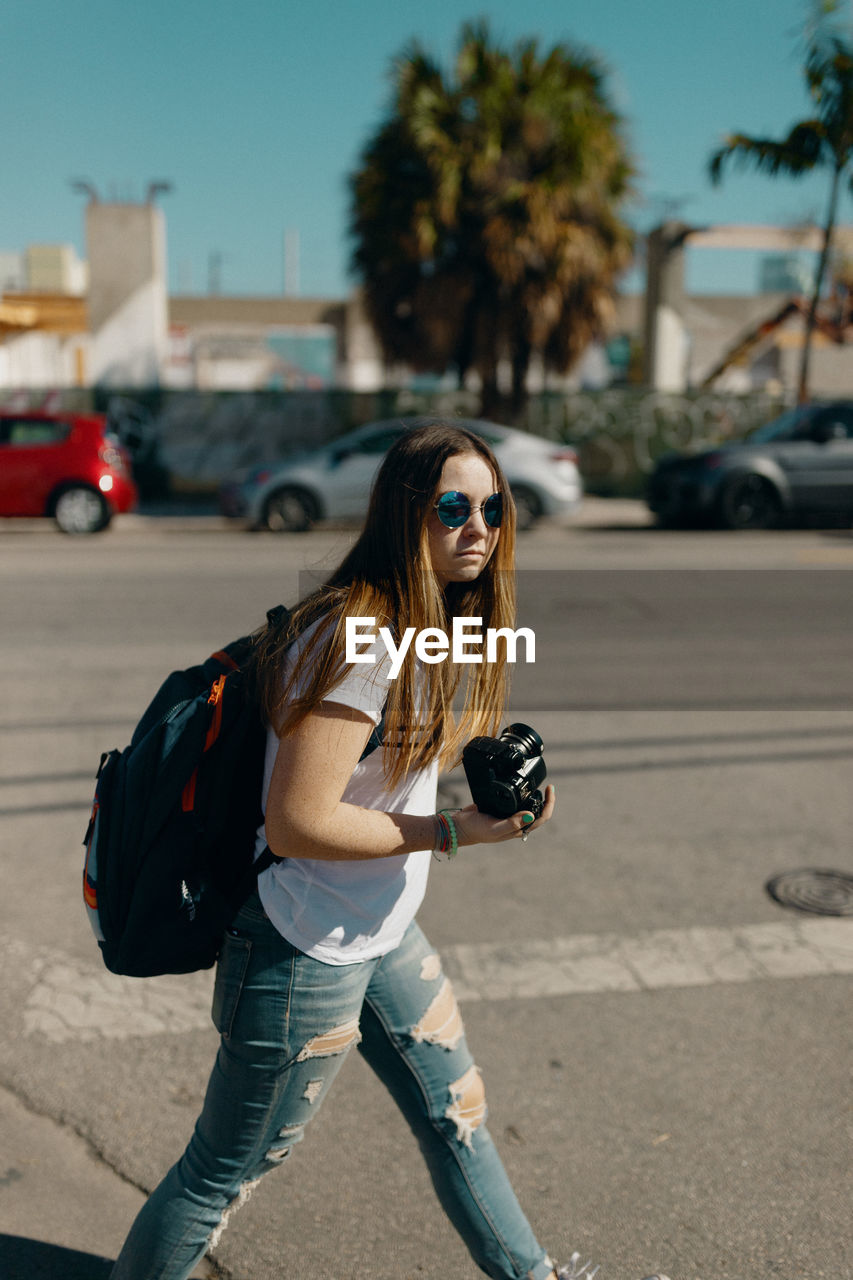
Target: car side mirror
column 826, row 431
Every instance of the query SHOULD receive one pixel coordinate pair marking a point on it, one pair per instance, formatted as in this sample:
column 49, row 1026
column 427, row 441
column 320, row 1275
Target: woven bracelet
column 441, row 838
column 451, row 827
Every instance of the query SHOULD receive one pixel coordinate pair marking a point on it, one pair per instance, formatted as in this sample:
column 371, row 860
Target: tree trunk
column 463, row 355
column 520, row 367
column 826, row 248
column 491, row 400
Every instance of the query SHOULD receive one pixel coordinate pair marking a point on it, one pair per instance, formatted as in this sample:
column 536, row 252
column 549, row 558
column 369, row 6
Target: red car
column 64, row 465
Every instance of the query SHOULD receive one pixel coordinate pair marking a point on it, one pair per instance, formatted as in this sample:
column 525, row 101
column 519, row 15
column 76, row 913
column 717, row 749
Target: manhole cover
column 825, row 893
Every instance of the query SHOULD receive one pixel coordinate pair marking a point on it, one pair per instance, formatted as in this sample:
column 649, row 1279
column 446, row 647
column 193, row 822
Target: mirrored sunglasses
column 454, row 508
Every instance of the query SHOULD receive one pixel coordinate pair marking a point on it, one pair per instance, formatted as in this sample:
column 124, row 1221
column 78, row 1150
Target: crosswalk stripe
column 69, row 1000
column 655, row 960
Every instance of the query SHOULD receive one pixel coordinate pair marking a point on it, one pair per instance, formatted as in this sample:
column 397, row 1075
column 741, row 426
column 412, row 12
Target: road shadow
column 25, row 1259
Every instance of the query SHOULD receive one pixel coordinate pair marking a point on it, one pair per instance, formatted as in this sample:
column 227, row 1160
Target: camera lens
column 526, row 739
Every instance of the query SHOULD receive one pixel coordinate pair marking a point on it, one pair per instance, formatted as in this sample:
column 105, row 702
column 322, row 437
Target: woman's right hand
column 474, row 827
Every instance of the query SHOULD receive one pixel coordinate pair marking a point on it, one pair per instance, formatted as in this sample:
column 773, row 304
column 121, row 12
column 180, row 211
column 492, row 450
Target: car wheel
column 528, row 508
column 81, row 510
column 671, row 519
column 749, row 502
column 289, row 511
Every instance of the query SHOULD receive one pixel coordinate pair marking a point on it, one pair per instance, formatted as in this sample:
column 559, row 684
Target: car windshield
column 481, row 429
column 790, row 426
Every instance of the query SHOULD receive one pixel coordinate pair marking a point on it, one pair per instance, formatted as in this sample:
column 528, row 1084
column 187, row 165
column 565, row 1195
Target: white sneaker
column 574, row 1269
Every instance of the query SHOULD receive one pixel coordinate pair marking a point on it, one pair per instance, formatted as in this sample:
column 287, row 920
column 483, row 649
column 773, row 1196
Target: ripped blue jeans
column 286, row 1022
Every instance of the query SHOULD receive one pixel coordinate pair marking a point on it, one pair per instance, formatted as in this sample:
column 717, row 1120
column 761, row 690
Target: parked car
column 333, row 482
column 798, row 467
column 64, row 465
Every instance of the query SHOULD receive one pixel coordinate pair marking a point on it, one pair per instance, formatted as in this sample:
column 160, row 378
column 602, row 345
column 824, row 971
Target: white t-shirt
column 345, row 911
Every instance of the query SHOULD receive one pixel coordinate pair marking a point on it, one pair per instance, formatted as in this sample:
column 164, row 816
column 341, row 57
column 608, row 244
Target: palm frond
column 794, row 155
column 826, row 139
column 486, row 214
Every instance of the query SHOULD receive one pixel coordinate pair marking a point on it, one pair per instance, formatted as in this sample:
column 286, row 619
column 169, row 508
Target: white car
column 333, row 482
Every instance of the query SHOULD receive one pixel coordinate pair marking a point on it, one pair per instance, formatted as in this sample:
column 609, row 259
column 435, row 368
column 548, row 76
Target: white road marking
column 67, row 999
column 72, row 1001
column 656, row 960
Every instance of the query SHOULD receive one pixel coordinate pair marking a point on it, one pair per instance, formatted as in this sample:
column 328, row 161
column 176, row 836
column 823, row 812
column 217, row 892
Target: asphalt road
column 666, row 1050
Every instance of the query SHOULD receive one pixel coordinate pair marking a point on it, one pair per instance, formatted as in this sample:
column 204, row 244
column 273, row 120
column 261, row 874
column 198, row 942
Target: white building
column 110, row 323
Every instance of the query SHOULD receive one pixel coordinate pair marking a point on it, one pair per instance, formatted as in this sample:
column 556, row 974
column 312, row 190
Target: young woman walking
column 327, row 954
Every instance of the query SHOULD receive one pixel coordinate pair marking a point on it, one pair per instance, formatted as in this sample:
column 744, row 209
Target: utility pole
column 214, row 272
column 291, row 263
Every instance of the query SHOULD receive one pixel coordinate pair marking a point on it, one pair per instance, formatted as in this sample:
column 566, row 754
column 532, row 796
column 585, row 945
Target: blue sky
column 257, row 112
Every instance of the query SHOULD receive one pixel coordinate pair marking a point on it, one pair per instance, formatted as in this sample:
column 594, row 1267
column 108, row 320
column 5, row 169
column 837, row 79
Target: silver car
column 333, row 482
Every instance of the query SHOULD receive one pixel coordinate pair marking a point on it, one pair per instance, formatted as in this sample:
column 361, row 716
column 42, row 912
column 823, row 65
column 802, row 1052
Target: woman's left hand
column 474, row 827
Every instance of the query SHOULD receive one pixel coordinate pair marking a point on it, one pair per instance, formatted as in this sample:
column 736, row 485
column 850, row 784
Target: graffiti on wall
column 190, row 441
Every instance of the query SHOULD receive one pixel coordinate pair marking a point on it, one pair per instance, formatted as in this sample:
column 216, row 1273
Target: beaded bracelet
column 446, row 840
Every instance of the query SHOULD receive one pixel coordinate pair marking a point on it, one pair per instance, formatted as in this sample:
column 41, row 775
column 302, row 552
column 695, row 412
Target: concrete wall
column 55, row 268
column 831, row 369
column 42, row 360
column 128, row 306
column 190, row 442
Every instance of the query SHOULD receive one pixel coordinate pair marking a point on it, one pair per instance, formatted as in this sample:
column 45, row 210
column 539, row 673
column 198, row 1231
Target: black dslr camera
column 504, row 773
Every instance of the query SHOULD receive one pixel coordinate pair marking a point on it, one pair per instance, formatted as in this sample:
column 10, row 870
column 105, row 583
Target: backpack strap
column 267, row 858
column 275, row 618
column 375, row 739
column 277, row 614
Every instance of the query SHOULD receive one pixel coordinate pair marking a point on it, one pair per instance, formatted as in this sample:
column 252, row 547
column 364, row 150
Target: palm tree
column 485, row 213
column 823, row 140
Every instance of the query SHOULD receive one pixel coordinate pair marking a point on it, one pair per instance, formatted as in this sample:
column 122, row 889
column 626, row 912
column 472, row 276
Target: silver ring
column 524, row 837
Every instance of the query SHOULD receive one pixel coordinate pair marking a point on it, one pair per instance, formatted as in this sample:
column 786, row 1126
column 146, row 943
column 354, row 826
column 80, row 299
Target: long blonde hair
column 388, row 575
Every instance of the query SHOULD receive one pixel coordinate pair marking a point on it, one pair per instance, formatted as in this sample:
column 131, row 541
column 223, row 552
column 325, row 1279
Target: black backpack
column 171, row 839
